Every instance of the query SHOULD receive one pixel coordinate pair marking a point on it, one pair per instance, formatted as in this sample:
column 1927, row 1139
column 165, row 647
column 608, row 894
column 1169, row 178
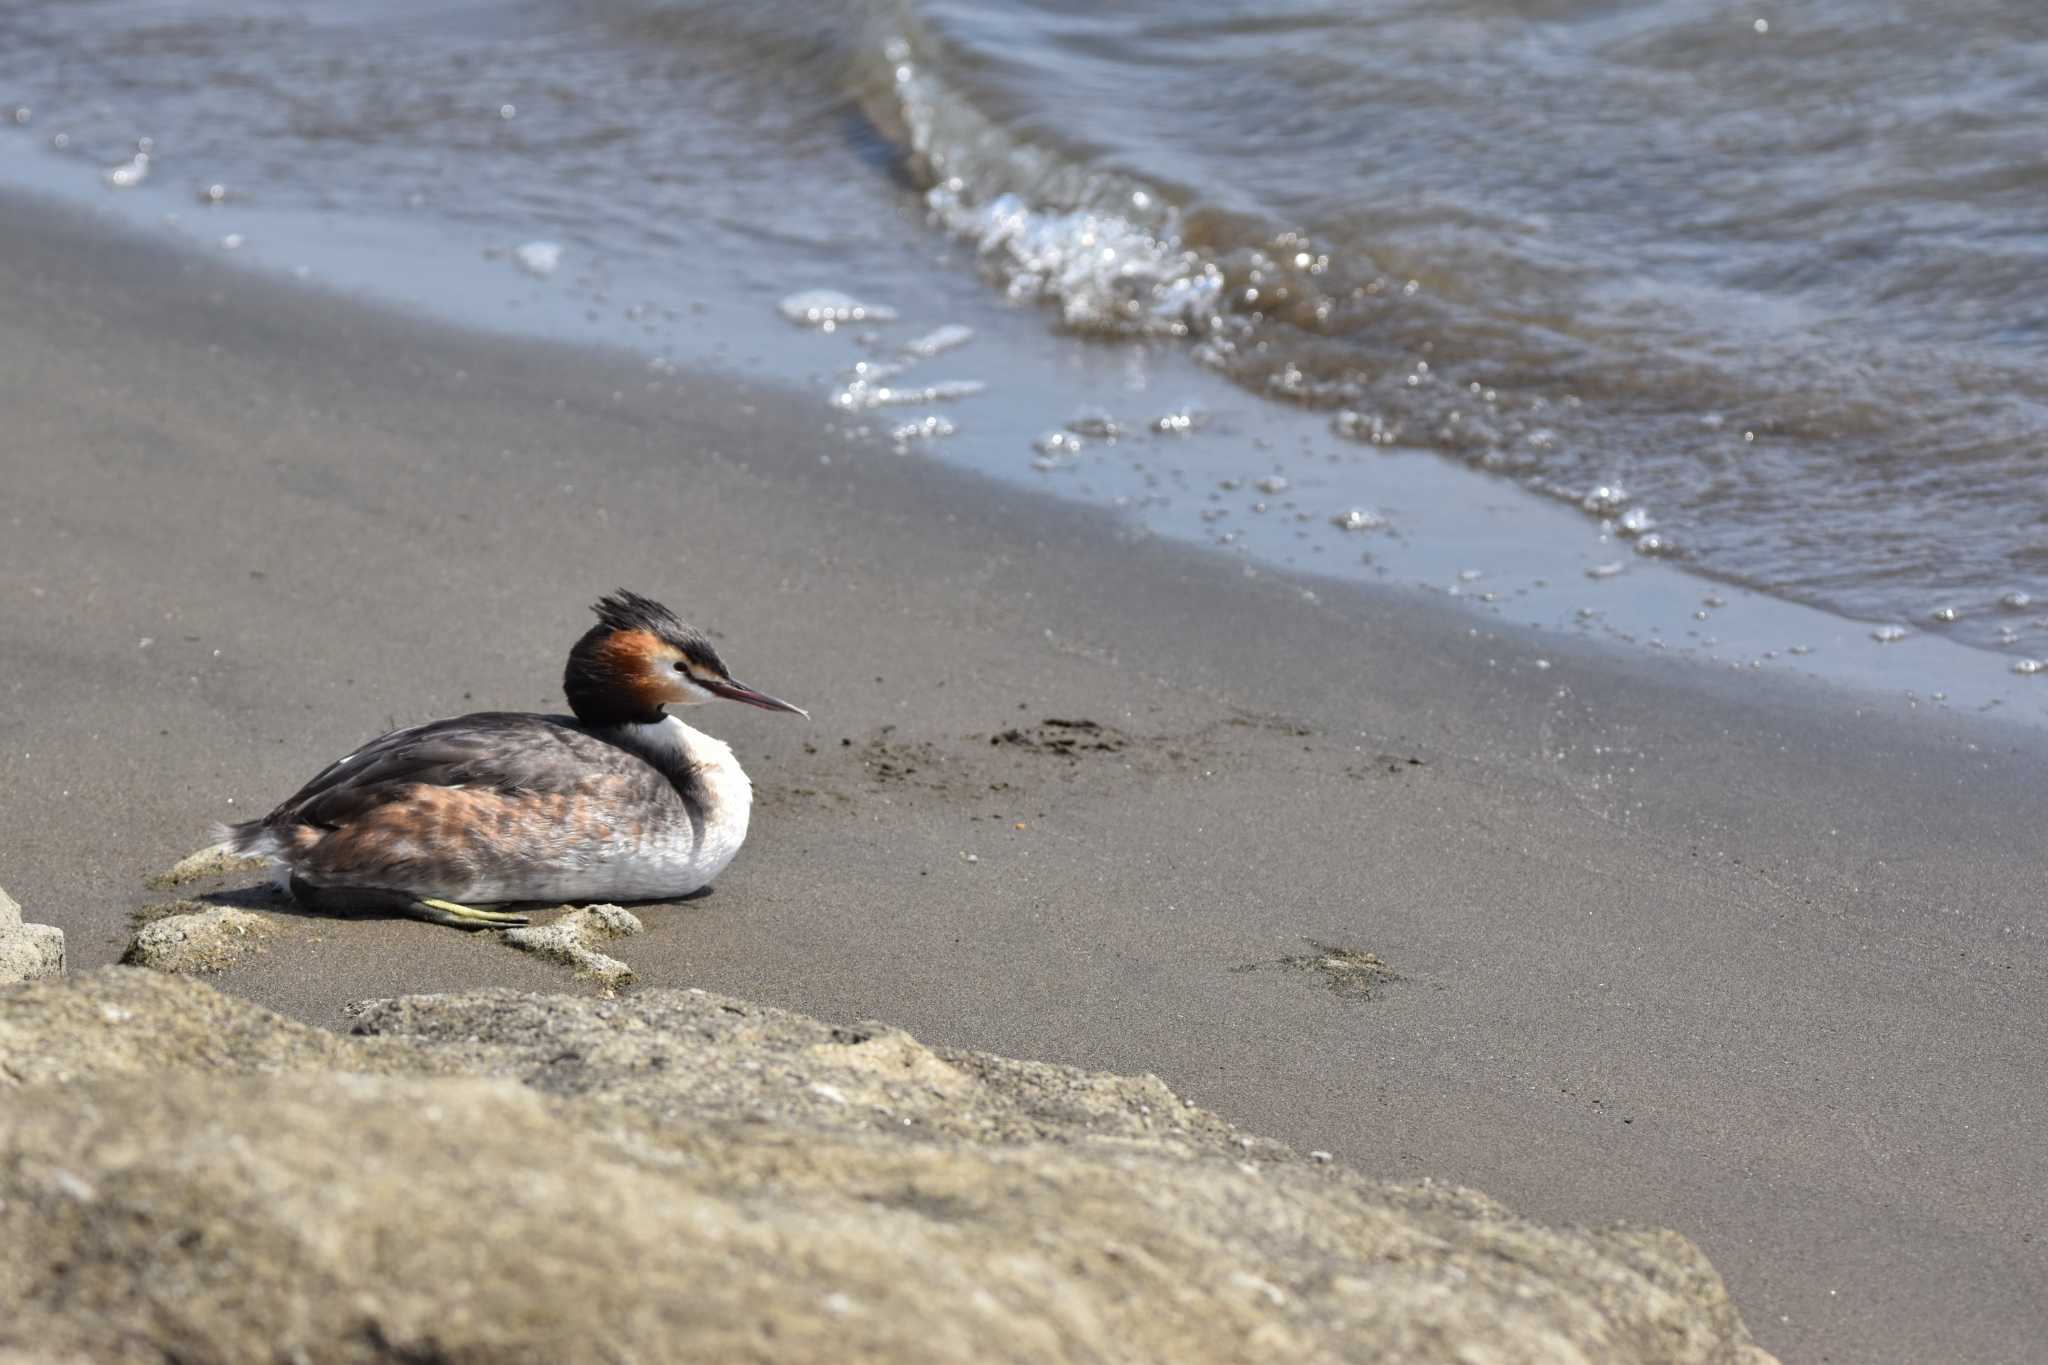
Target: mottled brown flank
column 428, row 836
column 641, row 662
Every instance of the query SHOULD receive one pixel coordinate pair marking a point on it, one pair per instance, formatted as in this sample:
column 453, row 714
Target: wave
column 1752, row 423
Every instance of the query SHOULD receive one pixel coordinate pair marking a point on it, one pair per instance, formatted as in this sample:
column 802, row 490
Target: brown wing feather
column 506, row 752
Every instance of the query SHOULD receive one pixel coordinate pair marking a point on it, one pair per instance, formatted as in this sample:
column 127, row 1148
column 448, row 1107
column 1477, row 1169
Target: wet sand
column 1755, row 959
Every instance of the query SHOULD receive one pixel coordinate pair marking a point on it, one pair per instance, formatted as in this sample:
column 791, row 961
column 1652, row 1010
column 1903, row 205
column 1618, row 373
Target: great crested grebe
column 620, row 802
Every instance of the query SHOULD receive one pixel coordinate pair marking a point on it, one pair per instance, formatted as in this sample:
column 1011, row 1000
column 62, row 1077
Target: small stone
column 27, row 951
column 203, row 942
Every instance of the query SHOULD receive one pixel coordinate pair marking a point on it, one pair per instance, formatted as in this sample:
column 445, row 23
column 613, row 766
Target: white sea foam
column 939, row 339
column 928, row 428
column 540, row 259
column 826, row 309
column 128, row 174
column 861, row 394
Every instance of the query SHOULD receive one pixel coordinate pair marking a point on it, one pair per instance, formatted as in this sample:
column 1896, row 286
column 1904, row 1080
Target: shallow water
column 1775, row 271
column 1753, row 289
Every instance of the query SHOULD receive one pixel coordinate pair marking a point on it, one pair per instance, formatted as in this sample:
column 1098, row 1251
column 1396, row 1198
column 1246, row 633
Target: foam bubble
column 929, row 428
column 540, row 259
column 861, row 394
column 129, row 173
column 938, row 339
column 1364, row 426
column 825, row 309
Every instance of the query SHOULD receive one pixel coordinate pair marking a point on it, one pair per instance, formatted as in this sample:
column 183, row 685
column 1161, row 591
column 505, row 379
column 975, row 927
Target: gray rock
column 27, row 951
column 676, row 1175
column 204, row 940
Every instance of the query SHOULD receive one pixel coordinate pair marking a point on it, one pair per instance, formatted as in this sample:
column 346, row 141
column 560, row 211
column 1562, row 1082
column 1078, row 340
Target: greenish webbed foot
column 463, row 916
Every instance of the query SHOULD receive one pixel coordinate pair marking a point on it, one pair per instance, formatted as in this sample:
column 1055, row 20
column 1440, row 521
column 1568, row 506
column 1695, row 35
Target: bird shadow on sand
column 269, row 898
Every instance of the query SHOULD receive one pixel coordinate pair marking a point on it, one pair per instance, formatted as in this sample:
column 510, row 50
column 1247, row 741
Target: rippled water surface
column 1778, row 272
column 1761, row 284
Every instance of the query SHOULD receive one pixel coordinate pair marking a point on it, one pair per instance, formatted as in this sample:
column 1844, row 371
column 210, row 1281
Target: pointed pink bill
column 738, row 692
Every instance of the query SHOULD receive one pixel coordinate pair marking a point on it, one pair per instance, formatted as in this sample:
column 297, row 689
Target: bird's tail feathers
column 252, row 838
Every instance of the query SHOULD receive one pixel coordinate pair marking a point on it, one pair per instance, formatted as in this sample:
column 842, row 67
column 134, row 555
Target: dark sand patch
column 1347, row 973
column 1070, row 739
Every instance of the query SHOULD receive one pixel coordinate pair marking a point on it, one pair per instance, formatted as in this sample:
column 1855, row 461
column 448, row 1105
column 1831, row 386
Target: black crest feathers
column 625, row 610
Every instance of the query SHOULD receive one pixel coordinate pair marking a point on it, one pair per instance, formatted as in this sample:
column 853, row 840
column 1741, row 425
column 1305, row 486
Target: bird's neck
column 701, row 768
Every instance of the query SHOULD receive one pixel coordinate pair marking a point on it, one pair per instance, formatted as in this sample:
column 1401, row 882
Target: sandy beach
column 1752, row 958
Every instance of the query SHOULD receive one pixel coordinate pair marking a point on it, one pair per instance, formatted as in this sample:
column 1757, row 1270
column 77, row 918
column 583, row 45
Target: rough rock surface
column 206, row 939
column 675, row 1175
column 27, row 951
column 573, row 940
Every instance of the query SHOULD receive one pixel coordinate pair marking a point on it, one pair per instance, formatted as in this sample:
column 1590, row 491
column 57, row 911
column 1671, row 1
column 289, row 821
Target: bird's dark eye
column 680, row 668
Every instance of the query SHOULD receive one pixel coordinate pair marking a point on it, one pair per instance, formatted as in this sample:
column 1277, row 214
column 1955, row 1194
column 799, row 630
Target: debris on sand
column 572, row 940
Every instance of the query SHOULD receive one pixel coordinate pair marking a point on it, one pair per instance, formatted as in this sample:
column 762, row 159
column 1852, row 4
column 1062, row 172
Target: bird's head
column 640, row 657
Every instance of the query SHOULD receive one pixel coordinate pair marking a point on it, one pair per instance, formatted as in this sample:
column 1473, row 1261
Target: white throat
column 671, row 745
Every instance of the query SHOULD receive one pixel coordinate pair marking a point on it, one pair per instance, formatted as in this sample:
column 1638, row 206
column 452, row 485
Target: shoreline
column 1483, row 543
column 1739, row 956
